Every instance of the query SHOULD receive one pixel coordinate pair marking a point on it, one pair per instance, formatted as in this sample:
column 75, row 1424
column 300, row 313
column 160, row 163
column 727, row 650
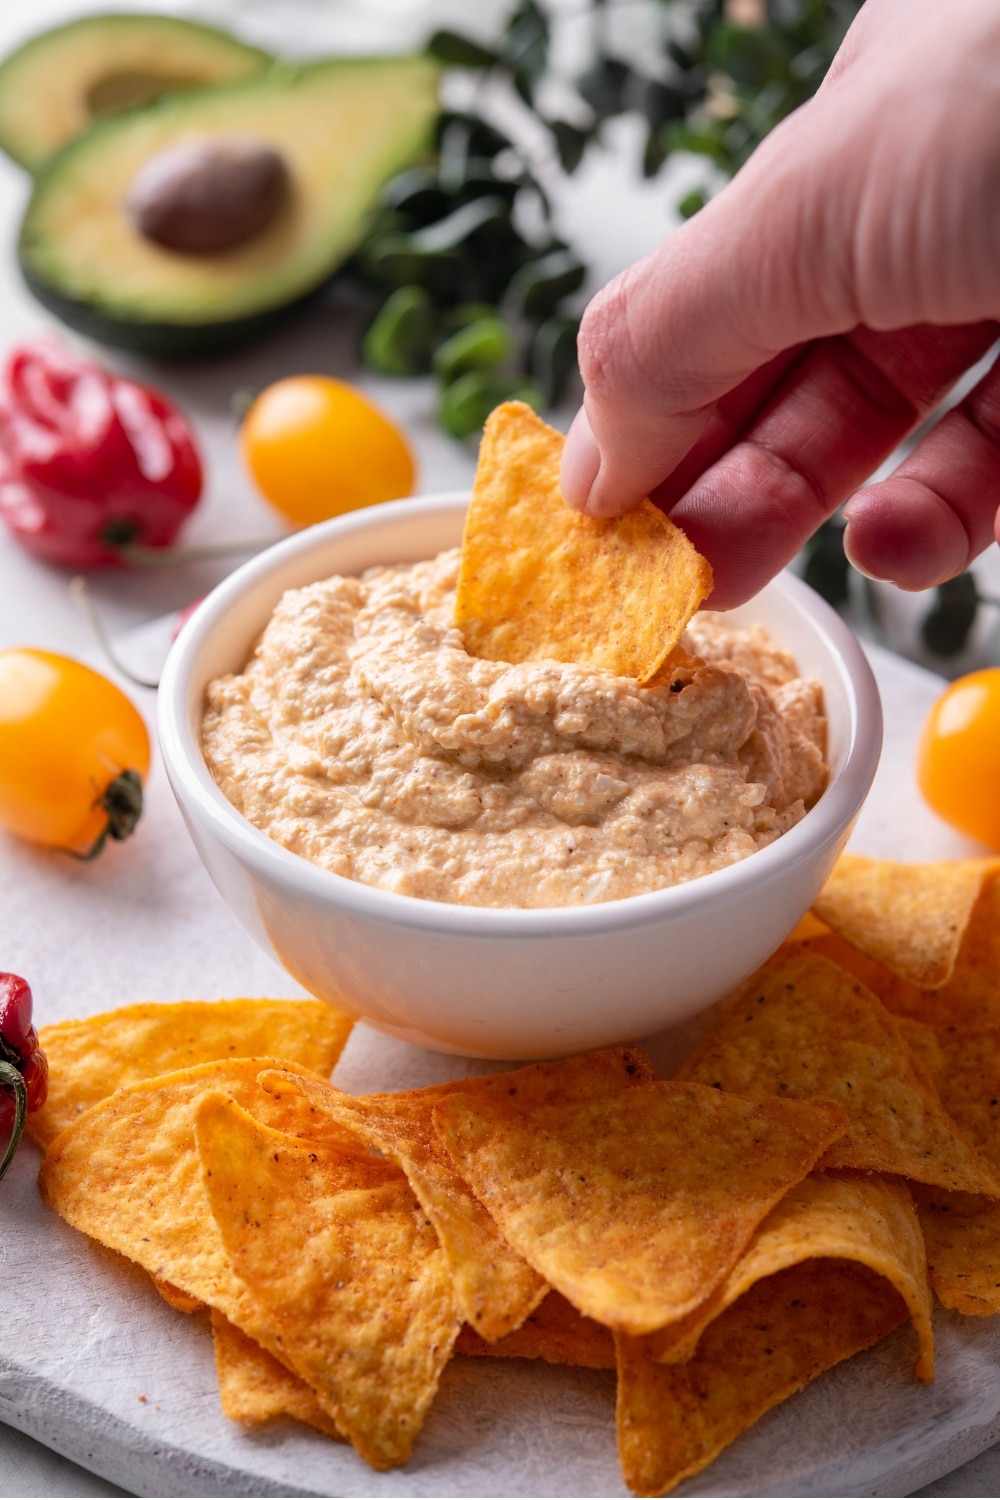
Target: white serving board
column 96, row 1366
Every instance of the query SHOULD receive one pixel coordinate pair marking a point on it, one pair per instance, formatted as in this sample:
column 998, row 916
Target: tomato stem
column 11, row 1076
column 122, row 801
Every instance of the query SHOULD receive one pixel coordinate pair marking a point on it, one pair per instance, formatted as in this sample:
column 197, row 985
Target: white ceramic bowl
column 504, row 983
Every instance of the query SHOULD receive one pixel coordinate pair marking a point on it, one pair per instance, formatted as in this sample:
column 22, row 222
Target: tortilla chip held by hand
column 541, row 582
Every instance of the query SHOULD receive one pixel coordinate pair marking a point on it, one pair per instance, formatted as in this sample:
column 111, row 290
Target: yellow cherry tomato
column 958, row 759
column 316, row 447
column 74, row 753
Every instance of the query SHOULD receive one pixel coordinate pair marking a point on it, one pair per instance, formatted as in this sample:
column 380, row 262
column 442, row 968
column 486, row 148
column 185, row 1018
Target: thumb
column 761, row 268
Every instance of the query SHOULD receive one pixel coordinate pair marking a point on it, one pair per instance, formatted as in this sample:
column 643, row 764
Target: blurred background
column 574, row 135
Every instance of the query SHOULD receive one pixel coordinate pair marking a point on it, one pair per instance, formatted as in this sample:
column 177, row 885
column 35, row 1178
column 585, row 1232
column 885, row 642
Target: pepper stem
column 10, row 1076
column 81, row 598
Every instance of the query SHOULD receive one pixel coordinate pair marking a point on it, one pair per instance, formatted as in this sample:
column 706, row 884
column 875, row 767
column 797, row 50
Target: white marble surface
column 94, row 1365
column 144, row 922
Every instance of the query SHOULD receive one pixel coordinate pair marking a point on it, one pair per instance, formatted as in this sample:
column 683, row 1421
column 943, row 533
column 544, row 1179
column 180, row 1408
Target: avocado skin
column 170, row 341
column 200, row 333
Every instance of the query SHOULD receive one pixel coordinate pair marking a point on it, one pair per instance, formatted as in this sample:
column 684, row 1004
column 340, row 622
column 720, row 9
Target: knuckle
column 605, row 348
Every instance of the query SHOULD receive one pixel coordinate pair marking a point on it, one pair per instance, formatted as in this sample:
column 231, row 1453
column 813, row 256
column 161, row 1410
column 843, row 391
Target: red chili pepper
column 89, row 462
column 24, row 1070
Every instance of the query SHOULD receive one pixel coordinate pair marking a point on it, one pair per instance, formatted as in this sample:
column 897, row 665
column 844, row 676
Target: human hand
column 759, row 365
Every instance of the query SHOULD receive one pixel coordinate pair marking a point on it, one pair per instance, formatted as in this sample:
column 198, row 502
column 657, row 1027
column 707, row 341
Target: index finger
column 832, row 420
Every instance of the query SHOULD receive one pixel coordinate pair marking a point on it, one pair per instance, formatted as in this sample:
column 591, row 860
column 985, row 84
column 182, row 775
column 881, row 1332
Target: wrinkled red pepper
column 89, row 462
column 24, row 1070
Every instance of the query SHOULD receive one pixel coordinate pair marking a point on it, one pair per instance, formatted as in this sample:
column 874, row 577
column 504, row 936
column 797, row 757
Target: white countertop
column 90, row 937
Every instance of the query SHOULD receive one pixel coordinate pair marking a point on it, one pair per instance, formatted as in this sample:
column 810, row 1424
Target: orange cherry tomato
column 74, row 753
column 958, row 759
column 316, row 447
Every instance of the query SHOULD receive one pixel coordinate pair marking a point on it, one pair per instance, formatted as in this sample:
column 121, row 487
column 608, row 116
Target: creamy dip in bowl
column 363, row 736
column 498, row 953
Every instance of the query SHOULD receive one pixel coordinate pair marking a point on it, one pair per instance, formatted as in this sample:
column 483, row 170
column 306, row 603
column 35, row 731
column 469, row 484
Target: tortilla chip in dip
column 635, row 1206
column 803, row 1028
column 541, row 582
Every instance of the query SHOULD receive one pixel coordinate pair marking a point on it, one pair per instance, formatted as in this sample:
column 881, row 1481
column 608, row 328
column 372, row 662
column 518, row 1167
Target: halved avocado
column 60, row 81
column 342, row 128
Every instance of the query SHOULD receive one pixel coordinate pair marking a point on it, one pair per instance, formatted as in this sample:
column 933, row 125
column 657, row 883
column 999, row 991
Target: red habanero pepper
column 89, row 462
column 24, row 1071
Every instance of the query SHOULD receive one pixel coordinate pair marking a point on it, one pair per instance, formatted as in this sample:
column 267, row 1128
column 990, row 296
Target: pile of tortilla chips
column 828, row 1154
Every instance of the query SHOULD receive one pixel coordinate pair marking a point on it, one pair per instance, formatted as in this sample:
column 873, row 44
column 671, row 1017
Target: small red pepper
column 24, row 1070
column 89, row 462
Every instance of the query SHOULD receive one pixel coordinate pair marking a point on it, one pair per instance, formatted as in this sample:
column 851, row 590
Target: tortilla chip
column 970, row 1000
column 807, row 927
column 897, row 995
column 962, row 1239
column 782, row 1333
column 828, row 1216
column 91, row 1058
column 127, row 1173
column 254, row 1388
column 555, row 1332
column 962, row 1230
column 912, row 918
column 174, row 1297
column 966, row 1072
column 635, row 1206
column 541, row 582
column 343, row 1269
column 495, row 1287
column 804, row 1028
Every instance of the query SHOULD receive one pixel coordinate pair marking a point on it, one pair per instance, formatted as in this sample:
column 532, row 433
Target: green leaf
column 401, row 336
column 480, row 345
column 459, row 51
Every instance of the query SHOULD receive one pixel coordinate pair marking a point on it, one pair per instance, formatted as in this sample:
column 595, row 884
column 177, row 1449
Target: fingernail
column 858, row 567
column 580, row 462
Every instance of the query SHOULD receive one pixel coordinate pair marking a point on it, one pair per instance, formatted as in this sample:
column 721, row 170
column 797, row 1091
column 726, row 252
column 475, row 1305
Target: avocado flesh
column 341, row 126
column 60, row 81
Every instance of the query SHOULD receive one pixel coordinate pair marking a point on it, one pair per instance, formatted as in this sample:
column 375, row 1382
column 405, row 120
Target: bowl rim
column 194, row 787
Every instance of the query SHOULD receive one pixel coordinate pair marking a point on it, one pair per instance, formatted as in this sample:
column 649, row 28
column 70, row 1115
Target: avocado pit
column 208, row 194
